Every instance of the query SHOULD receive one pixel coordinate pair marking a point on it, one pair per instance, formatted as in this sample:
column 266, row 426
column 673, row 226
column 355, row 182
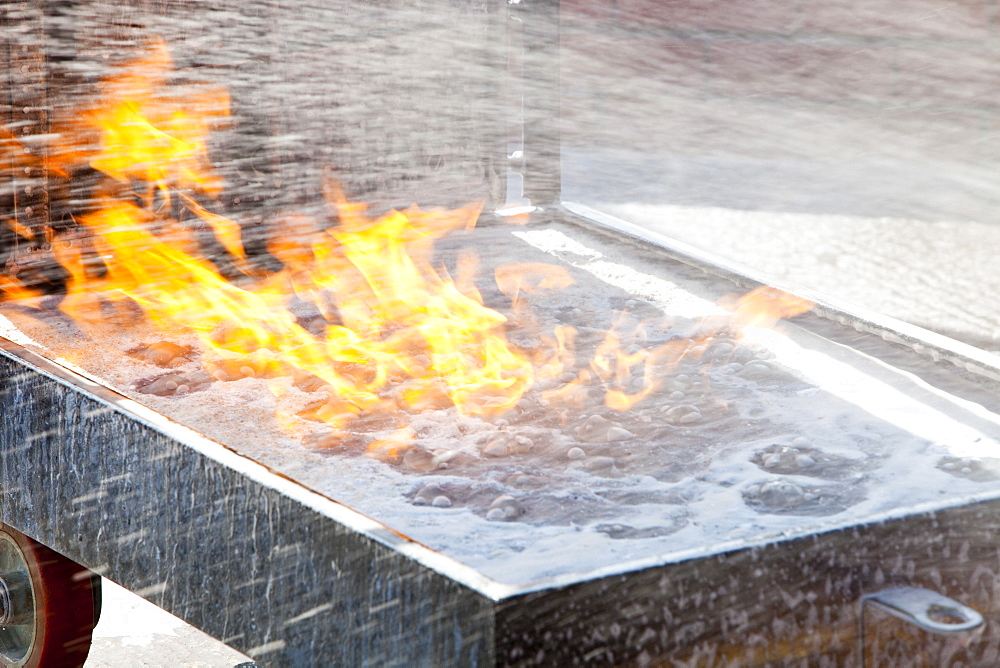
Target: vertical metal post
column 534, row 173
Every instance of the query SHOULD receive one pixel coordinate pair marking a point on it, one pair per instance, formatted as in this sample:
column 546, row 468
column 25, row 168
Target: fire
column 392, row 317
column 627, row 375
column 397, row 334
column 531, row 277
column 139, row 131
column 764, row 306
column 403, row 320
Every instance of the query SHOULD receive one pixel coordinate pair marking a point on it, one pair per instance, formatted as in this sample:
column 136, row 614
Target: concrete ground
column 133, row 632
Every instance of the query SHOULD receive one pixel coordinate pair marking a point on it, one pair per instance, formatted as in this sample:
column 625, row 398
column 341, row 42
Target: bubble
column 496, row 447
column 721, row 349
column 683, row 414
column 616, row 433
column 504, row 507
column 781, row 494
column 624, row 531
column 978, row 469
column 171, row 384
column 418, row 459
column 599, row 464
column 523, row 444
column 756, row 370
column 804, row 461
column 429, row 491
column 598, row 429
column 161, row 353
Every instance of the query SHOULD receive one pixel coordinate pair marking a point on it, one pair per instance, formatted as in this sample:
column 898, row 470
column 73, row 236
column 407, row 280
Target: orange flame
column 397, row 332
column 392, row 317
column 765, row 306
column 144, row 134
column 407, row 321
column 531, row 277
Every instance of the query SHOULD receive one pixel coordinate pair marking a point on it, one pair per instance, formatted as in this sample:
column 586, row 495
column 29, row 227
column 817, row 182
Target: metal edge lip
column 923, row 341
column 720, row 549
column 259, row 473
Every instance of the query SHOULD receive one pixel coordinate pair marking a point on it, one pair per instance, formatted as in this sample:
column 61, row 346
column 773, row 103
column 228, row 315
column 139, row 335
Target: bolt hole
column 942, row 615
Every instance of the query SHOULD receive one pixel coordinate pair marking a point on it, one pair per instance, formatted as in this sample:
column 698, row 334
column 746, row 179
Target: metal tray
column 290, row 576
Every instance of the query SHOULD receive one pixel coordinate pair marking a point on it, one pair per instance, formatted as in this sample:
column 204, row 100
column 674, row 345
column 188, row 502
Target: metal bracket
column 923, row 608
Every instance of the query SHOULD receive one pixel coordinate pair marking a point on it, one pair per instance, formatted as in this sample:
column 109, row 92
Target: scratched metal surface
column 252, row 566
column 259, row 567
column 789, row 603
column 274, row 577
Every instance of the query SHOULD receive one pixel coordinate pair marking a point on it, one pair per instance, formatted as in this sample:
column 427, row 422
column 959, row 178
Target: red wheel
column 48, row 605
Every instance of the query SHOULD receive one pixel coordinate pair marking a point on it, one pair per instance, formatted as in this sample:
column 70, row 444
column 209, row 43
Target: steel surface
column 291, row 577
column 251, row 558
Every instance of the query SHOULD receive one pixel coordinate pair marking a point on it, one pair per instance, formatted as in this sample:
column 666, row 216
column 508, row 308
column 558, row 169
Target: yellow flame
column 391, row 316
column 396, row 331
column 146, row 135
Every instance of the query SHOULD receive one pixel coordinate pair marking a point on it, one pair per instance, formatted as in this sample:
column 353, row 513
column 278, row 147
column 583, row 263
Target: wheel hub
column 17, row 604
column 16, row 600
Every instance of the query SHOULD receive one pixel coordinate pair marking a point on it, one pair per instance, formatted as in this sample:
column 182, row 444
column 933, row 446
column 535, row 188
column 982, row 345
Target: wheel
column 48, row 605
